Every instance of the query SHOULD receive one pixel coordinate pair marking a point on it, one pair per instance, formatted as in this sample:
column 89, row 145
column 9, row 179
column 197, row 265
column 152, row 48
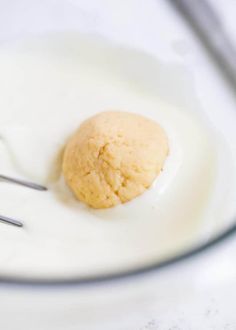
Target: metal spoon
column 11, row 221
column 31, row 185
column 208, row 26
column 22, row 183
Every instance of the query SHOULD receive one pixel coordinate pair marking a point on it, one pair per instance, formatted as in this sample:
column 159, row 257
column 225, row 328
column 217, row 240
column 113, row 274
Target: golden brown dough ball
column 114, row 157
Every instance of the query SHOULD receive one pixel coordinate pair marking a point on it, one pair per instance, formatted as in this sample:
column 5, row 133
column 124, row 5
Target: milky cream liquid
column 48, row 86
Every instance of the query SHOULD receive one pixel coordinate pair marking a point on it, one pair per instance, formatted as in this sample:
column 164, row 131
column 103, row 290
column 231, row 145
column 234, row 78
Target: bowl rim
column 125, row 274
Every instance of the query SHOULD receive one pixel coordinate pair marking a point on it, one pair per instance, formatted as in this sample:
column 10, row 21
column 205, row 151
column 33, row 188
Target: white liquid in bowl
column 48, row 87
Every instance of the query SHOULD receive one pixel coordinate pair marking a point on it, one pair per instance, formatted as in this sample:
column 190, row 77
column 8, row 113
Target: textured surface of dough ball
column 114, row 157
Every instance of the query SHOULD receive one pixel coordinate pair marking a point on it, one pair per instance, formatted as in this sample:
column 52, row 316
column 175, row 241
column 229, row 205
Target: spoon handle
column 208, row 26
column 23, row 183
column 11, row 221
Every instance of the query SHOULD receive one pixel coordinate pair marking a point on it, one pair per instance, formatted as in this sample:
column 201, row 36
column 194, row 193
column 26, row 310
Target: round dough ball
column 114, row 157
